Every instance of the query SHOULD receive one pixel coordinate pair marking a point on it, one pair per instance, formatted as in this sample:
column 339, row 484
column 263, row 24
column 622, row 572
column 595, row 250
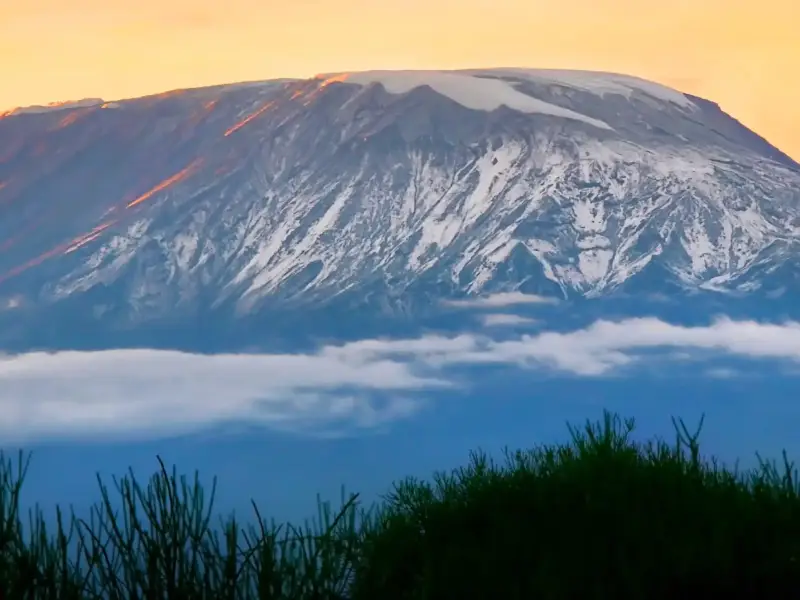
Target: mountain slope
column 388, row 191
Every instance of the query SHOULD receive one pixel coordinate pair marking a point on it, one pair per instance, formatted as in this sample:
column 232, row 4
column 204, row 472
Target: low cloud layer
column 501, row 300
column 360, row 384
column 506, row 320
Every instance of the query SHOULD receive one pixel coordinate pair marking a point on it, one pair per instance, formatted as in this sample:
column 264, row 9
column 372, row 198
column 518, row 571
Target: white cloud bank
column 151, row 392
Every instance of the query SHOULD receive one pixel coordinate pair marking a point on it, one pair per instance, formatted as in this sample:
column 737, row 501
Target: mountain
column 378, row 195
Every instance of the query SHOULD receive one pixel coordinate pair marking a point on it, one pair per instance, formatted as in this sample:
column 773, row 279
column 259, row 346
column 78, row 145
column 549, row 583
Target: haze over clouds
column 362, row 384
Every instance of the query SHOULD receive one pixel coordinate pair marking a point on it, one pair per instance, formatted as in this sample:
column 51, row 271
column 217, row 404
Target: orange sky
column 744, row 54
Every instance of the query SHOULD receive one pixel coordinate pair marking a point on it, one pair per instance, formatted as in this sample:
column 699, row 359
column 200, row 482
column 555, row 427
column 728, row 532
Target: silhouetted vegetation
column 600, row 517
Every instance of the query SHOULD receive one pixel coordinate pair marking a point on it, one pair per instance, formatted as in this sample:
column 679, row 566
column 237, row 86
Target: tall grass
column 599, row 517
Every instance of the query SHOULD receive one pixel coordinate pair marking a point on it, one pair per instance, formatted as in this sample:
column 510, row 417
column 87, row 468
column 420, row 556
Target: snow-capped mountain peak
column 487, row 89
column 388, row 191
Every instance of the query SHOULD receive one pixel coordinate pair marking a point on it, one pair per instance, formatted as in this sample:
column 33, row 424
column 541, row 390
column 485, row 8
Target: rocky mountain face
column 381, row 194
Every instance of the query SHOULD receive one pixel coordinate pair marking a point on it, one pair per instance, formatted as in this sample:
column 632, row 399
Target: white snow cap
column 482, row 89
column 596, row 82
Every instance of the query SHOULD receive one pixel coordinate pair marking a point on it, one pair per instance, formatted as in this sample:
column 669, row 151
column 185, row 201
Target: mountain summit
column 383, row 192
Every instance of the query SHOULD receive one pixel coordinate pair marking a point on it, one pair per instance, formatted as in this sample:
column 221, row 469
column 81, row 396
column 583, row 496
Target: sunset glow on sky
column 743, row 54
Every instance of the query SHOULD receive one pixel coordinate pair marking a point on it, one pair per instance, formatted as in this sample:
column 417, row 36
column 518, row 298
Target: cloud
column 118, row 392
column 10, row 303
column 359, row 384
column 505, row 320
column 501, row 300
column 595, row 350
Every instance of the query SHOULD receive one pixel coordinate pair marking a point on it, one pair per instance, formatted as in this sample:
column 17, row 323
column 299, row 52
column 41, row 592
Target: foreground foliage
column 600, row 517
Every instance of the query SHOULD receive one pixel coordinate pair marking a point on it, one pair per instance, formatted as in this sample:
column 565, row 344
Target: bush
column 600, row 517
column 162, row 544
